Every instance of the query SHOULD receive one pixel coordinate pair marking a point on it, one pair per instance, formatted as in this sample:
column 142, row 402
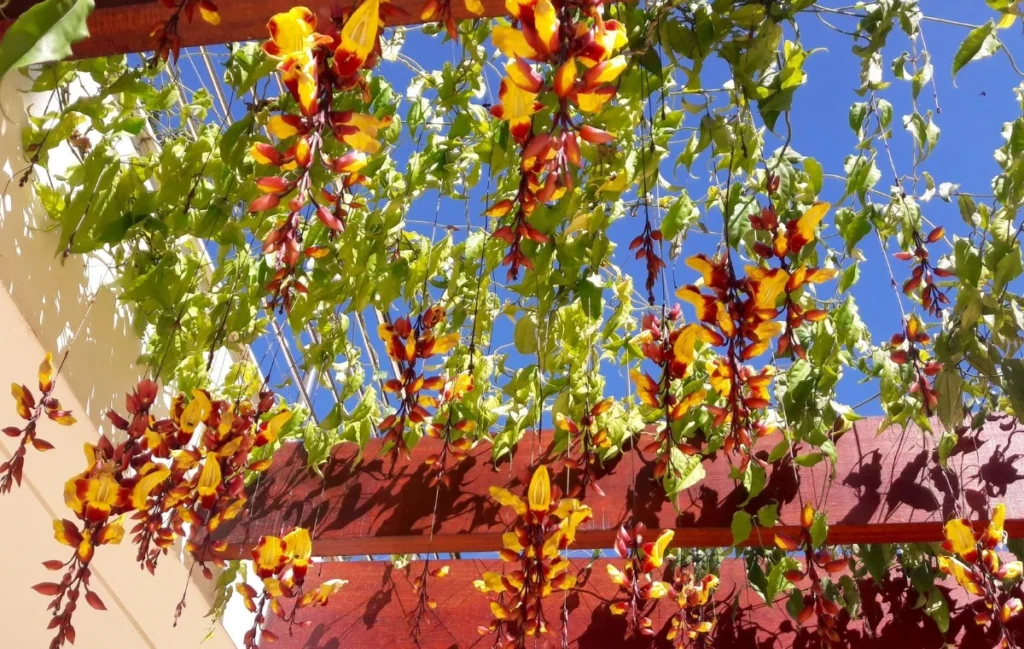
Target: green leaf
column 946, row 445
column 819, row 529
column 768, row 515
column 742, row 524
column 777, row 582
column 950, row 387
column 1013, row 384
column 981, row 43
column 938, row 608
column 44, row 33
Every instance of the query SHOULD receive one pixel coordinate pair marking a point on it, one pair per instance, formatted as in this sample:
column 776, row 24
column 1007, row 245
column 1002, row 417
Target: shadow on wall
column 63, row 301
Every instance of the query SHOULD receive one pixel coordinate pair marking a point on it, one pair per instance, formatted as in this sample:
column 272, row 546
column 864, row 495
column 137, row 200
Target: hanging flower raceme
column 692, row 621
column 783, row 243
column 673, row 348
column 542, row 529
column 907, row 350
column 408, row 343
column 165, row 32
column 922, row 278
column 586, row 441
column 564, row 52
column 974, row 563
column 424, row 602
column 742, row 312
column 179, row 477
column 639, row 586
column 452, row 429
column 31, row 409
column 317, row 138
column 282, row 563
column 820, row 600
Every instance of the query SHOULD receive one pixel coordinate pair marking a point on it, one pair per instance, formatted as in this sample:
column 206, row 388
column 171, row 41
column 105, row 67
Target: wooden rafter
column 887, row 488
column 376, row 609
column 123, row 26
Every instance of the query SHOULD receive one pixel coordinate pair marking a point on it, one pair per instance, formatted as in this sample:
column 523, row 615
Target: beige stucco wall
column 43, row 303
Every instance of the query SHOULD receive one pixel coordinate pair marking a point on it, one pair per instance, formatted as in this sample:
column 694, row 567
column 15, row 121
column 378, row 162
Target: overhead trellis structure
column 452, row 264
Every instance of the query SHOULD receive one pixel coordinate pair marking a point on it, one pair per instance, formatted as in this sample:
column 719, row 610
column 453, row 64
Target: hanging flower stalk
column 318, row 138
column 585, row 443
column 673, row 349
column 31, row 410
column 639, row 589
column 165, row 32
column 575, row 50
column 282, row 564
column 163, row 481
column 974, row 563
column 691, row 622
column 407, row 344
column 542, row 529
column 819, row 563
column 454, row 431
column 741, row 312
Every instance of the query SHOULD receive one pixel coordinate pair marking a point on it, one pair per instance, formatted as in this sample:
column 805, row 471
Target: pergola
column 885, row 489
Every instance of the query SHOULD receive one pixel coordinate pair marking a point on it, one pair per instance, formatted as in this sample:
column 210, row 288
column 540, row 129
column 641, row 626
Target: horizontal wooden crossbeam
column 887, row 488
column 123, row 26
column 375, row 609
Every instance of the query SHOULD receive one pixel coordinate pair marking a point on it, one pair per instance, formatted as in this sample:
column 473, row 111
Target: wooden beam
column 887, row 488
column 375, row 609
column 123, row 26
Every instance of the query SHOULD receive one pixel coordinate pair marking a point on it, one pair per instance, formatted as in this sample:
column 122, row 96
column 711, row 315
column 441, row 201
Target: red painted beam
column 887, row 488
column 123, row 26
column 376, row 609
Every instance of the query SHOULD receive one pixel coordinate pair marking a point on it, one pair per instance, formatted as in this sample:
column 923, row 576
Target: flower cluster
column 586, row 440
column 639, row 590
column 31, row 410
column 924, row 273
column 454, row 431
column 575, row 49
column 165, row 32
column 672, row 347
column 975, row 565
column 542, row 529
column 282, row 563
column 819, row 563
column 690, row 622
column 176, row 477
column 741, row 311
column 318, row 138
column 407, row 344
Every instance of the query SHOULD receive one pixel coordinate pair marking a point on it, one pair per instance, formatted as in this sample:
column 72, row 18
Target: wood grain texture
column 123, row 26
column 375, row 610
column 887, row 488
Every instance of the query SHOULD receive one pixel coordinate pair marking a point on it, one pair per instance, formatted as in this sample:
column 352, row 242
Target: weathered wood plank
column 375, row 610
column 887, row 488
column 123, row 26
